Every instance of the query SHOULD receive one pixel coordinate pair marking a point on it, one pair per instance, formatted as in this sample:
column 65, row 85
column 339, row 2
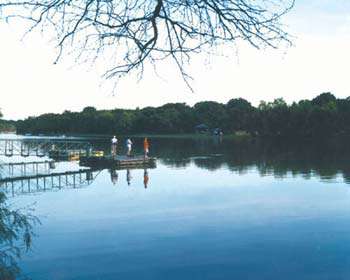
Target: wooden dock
column 117, row 162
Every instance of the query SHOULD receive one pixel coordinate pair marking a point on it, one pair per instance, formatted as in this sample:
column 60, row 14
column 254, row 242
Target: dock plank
column 117, row 161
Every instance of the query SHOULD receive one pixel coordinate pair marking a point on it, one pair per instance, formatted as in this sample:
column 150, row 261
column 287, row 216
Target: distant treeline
column 6, row 126
column 324, row 115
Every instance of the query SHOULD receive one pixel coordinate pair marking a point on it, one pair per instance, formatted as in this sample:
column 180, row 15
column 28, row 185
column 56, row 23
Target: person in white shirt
column 128, row 147
column 114, row 146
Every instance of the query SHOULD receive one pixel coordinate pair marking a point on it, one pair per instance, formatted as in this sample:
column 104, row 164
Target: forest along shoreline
column 325, row 115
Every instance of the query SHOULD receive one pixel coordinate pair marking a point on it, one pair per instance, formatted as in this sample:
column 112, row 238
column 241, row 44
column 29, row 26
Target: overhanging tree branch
column 134, row 32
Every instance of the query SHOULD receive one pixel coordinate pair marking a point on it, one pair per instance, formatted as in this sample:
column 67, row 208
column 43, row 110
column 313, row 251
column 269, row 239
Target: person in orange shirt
column 146, row 147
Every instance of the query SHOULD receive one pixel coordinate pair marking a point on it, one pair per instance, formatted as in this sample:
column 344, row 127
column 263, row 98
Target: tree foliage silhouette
column 133, row 32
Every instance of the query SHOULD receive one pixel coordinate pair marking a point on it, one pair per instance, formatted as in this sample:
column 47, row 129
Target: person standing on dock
column 145, row 147
column 114, row 146
column 128, row 147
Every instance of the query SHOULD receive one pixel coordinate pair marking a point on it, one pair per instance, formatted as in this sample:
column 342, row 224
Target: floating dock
column 117, row 162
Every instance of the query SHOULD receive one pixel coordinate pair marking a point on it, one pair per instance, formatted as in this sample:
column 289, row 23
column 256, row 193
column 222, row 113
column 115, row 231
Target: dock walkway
column 117, row 161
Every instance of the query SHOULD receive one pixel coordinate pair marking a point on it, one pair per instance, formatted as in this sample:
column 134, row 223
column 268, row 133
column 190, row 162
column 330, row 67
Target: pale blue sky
column 319, row 60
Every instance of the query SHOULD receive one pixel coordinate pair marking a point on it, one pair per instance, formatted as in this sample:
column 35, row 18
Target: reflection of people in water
column 128, row 176
column 114, row 176
column 145, row 178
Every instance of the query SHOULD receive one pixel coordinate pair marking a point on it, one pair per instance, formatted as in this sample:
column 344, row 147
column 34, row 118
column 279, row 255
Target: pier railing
column 40, row 147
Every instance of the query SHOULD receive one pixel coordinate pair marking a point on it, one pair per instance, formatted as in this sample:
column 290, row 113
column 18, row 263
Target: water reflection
column 34, row 183
column 16, row 231
column 114, row 176
column 145, row 178
column 204, row 218
column 128, row 176
column 279, row 158
column 326, row 160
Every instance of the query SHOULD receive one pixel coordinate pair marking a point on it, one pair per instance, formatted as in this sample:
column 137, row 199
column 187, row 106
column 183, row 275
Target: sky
column 318, row 61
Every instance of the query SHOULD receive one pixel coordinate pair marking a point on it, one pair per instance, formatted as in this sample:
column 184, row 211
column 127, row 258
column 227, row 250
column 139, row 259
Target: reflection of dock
column 117, row 162
column 45, row 182
column 25, row 168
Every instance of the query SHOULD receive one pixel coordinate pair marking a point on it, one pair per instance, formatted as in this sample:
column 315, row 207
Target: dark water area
column 211, row 209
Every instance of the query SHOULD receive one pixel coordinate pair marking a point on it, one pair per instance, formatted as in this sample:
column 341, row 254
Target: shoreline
column 236, row 136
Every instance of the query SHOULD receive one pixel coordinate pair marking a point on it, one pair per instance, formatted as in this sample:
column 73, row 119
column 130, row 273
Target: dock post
column 9, row 148
column 89, row 176
column 24, row 150
column 52, row 165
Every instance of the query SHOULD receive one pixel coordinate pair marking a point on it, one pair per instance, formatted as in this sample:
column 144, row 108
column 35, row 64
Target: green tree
column 322, row 116
column 273, row 118
column 240, row 115
column 324, row 99
column 210, row 113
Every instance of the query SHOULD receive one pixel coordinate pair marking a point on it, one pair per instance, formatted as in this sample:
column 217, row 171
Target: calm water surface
column 211, row 209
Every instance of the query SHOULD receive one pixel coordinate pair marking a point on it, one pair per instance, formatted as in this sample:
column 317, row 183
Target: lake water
column 211, row 209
